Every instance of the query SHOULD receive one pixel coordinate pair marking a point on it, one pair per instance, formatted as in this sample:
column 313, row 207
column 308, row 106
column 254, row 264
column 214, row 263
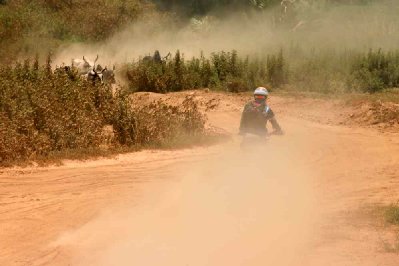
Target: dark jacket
column 254, row 119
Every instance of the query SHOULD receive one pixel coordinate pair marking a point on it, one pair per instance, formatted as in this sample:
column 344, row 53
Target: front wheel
column 252, row 141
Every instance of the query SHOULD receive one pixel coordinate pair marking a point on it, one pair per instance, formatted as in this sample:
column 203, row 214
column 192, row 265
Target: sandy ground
column 305, row 198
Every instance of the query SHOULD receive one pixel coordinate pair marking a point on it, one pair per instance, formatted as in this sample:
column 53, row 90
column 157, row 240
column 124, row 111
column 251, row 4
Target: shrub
column 223, row 70
column 375, row 71
column 162, row 124
column 43, row 112
column 324, row 71
column 276, row 72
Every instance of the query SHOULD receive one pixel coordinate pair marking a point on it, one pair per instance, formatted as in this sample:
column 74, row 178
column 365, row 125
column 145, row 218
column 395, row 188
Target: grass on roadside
column 391, row 214
column 385, row 222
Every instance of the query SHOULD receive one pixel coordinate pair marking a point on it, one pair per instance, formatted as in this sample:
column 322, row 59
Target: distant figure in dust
column 256, row 114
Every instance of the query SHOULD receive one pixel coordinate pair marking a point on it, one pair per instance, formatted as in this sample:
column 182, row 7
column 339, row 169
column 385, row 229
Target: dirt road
column 304, row 199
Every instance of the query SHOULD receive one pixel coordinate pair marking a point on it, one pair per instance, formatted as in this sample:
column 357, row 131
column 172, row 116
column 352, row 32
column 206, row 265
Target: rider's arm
column 242, row 122
column 269, row 114
column 275, row 125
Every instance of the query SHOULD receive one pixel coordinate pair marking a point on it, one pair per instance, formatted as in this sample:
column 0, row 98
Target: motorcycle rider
column 256, row 114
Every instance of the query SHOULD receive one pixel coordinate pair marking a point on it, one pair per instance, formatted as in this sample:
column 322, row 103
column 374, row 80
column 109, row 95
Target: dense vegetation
column 45, row 112
column 221, row 70
column 326, row 71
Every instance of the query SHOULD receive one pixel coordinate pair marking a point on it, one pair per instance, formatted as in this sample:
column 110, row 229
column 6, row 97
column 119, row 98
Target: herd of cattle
column 89, row 70
column 93, row 72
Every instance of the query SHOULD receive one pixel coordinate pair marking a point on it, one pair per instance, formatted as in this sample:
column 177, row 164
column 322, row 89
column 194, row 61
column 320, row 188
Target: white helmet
column 261, row 91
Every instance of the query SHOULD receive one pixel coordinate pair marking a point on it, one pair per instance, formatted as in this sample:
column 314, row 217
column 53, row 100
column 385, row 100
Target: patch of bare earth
column 383, row 115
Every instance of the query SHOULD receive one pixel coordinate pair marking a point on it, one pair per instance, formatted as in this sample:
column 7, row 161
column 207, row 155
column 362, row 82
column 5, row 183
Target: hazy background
column 124, row 29
column 306, row 27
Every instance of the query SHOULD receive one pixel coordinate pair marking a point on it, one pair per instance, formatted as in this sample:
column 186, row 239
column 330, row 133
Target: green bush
column 223, row 70
column 42, row 111
column 324, row 71
column 276, row 69
column 375, row 71
column 162, row 124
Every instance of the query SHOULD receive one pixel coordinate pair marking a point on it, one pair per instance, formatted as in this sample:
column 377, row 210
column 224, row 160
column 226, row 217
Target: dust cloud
column 310, row 26
column 251, row 208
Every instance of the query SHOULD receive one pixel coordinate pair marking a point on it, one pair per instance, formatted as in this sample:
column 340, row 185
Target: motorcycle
column 252, row 141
